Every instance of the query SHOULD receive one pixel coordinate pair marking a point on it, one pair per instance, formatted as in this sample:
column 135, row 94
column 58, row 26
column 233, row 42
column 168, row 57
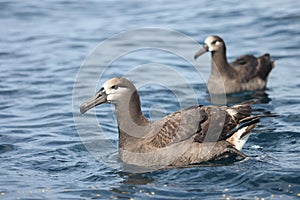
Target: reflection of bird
column 189, row 136
column 246, row 73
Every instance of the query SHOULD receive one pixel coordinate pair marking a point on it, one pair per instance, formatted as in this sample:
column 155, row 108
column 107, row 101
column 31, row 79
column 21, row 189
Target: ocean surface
column 55, row 54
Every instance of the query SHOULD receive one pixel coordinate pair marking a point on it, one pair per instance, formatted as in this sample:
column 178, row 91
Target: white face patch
column 117, row 94
column 213, row 43
column 118, row 91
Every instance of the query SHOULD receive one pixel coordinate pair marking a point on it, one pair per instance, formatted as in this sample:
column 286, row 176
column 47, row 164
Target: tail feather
column 242, row 113
column 266, row 66
column 242, row 110
column 240, row 135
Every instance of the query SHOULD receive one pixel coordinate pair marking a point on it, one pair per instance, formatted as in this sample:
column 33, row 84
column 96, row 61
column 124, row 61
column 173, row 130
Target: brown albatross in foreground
column 246, row 73
column 189, row 136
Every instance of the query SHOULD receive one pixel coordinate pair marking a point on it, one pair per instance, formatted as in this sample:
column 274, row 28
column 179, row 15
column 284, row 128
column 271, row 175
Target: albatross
column 189, row 136
column 246, row 73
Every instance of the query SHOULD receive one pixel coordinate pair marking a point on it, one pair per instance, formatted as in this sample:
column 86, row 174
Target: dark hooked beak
column 99, row 98
column 203, row 50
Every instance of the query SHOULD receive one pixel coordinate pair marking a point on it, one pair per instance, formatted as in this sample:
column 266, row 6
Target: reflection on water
column 236, row 98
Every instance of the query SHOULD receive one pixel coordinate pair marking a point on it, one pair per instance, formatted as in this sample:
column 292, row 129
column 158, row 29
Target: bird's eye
column 216, row 42
column 114, row 87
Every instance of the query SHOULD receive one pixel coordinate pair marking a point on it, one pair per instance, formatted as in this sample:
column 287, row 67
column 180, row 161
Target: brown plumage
column 189, row 136
column 246, row 73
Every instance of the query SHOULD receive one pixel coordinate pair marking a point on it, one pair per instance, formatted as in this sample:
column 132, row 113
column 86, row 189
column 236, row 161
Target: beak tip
column 83, row 109
column 99, row 98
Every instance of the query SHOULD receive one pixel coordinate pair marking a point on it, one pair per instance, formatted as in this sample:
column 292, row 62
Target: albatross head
column 114, row 91
column 213, row 44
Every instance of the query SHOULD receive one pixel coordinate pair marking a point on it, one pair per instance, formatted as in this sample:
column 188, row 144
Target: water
column 44, row 43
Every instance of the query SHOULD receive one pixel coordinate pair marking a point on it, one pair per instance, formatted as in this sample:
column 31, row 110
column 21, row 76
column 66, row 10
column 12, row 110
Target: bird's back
column 250, row 67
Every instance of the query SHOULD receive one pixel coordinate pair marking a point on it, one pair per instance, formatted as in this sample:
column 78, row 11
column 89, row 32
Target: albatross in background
column 190, row 136
column 246, row 73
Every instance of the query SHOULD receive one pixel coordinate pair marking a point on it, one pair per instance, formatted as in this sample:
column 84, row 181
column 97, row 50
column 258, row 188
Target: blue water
column 45, row 44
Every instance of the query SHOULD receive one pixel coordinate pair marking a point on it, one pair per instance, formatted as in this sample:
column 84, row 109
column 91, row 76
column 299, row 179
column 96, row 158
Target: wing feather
column 177, row 127
column 203, row 123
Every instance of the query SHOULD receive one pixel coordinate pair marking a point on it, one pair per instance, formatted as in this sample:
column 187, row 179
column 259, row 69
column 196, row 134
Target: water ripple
column 42, row 47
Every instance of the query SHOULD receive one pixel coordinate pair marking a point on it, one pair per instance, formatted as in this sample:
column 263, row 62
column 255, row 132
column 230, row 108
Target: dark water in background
column 42, row 45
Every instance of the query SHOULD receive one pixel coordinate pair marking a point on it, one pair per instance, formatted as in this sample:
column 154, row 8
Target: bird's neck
column 220, row 65
column 131, row 121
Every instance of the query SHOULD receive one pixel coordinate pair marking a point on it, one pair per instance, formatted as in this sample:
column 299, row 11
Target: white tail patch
column 236, row 139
